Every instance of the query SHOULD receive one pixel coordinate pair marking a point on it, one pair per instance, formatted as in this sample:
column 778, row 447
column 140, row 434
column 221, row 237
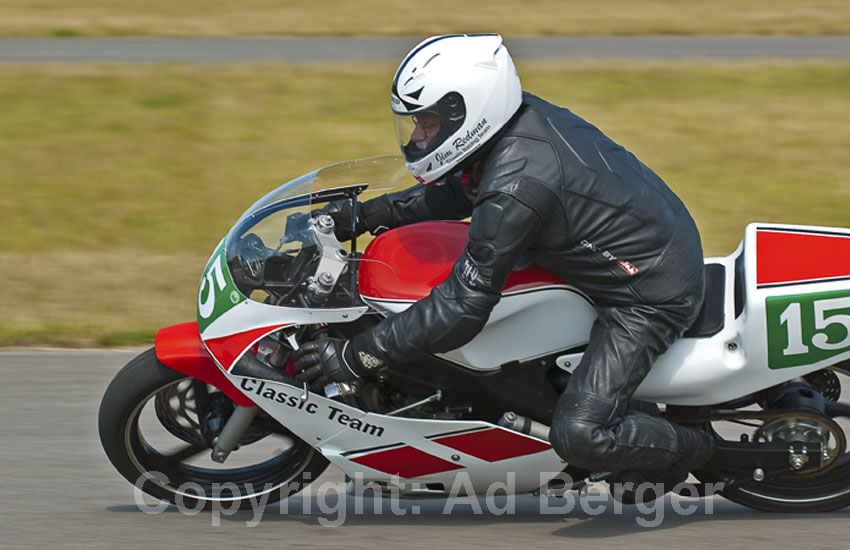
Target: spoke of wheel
column 201, row 398
column 187, row 452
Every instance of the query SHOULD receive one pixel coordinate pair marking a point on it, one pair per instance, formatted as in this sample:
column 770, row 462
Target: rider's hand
column 340, row 211
column 296, row 226
column 325, row 361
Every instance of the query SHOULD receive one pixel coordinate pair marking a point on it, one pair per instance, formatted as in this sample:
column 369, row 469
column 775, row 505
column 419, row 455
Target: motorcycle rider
column 541, row 183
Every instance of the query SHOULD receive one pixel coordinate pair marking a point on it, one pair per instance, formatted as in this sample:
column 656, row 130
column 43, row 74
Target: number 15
column 792, row 317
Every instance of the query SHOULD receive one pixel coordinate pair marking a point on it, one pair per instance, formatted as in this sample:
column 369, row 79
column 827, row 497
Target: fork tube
column 233, row 431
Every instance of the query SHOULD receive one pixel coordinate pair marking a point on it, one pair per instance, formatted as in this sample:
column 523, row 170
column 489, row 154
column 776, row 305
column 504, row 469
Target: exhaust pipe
column 521, row 424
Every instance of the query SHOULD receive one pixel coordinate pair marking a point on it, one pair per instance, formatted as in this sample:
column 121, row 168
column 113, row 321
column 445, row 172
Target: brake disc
column 180, row 410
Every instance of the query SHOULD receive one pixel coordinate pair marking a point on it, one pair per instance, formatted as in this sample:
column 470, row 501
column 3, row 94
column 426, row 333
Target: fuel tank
column 539, row 313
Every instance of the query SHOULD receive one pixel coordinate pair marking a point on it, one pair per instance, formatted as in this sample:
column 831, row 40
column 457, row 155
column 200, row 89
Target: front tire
column 154, row 427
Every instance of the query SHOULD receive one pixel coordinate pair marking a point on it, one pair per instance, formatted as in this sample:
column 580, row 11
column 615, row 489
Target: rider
column 542, row 183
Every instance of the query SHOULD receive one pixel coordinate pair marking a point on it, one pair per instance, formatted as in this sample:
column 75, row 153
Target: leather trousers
column 592, row 427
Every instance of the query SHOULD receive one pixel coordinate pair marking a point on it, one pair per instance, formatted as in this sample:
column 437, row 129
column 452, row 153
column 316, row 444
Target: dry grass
column 385, row 17
column 118, row 181
column 96, row 298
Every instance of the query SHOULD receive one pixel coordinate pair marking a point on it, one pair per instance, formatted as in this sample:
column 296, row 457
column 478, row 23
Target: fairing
column 265, row 273
column 179, row 347
column 407, row 263
column 787, row 313
column 539, row 317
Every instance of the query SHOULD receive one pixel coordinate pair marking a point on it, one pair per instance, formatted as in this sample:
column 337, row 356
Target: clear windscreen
column 282, row 251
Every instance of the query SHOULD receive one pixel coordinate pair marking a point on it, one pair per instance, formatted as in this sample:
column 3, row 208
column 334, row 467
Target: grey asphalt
column 58, row 490
column 230, row 50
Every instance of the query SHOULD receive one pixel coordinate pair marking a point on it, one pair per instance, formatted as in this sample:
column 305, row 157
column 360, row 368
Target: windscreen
column 283, row 251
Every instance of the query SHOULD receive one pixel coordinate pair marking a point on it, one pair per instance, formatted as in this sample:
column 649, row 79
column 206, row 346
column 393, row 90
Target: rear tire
column 793, row 493
column 131, row 414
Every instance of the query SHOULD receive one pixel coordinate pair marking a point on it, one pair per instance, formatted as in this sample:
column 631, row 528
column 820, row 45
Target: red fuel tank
column 407, row 262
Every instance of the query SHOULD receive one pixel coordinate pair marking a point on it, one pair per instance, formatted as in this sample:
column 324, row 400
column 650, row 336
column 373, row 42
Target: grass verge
column 120, row 180
column 383, row 17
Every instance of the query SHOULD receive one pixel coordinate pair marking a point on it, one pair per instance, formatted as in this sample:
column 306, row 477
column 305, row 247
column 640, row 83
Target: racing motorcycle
column 215, row 404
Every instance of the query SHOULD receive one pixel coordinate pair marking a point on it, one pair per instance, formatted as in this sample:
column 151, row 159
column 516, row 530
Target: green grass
column 118, row 181
column 386, row 17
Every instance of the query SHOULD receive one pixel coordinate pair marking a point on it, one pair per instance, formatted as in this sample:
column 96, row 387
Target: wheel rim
column 814, row 488
column 184, row 468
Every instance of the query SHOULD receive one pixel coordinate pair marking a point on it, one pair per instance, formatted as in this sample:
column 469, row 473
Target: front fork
column 228, row 440
column 242, row 417
column 179, row 347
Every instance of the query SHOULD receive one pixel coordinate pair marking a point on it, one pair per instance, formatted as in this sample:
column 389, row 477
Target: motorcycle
column 214, row 403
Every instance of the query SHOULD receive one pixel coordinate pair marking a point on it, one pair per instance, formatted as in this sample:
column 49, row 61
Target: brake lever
column 293, row 343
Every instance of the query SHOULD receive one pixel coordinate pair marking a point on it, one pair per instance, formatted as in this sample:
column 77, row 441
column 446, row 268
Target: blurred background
column 117, row 180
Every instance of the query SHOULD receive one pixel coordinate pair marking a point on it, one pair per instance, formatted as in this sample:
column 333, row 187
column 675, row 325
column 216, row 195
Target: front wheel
column 157, row 425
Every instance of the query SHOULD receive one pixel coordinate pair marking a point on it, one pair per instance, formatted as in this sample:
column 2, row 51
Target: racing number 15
column 809, row 328
column 793, row 318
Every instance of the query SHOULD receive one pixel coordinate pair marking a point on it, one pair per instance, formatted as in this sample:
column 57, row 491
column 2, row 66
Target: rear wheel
column 157, row 426
column 792, row 492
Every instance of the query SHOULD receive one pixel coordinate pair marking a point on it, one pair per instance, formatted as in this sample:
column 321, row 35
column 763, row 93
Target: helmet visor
column 418, row 134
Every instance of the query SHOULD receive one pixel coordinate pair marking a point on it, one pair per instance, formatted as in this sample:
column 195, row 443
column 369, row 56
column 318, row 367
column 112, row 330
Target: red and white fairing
column 791, row 316
column 800, row 269
column 412, row 452
column 539, row 314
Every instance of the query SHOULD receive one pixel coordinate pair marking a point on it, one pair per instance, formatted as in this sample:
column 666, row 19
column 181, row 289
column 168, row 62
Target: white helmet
column 450, row 95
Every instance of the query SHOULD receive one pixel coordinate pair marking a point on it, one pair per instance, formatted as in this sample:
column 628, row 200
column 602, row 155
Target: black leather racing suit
column 557, row 191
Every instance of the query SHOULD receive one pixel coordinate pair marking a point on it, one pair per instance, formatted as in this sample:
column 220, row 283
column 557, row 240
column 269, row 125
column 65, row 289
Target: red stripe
column 785, row 257
column 495, row 444
column 407, row 462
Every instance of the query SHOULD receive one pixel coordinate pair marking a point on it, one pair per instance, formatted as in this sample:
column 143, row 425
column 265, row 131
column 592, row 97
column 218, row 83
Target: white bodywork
column 327, row 424
column 550, row 319
column 533, row 323
column 694, row 371
column 734, row 362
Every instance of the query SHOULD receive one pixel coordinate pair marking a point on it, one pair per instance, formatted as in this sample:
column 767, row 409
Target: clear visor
column 418, row 134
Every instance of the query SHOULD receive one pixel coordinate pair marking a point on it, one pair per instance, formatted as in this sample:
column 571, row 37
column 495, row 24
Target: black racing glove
column 340, row 211
column 325, row 361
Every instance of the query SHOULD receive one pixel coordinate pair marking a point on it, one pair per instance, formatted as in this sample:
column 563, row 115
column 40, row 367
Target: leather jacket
column 557, row 191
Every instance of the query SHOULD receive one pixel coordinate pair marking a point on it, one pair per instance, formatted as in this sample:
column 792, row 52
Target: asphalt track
column 308, row 50
column 58, row 490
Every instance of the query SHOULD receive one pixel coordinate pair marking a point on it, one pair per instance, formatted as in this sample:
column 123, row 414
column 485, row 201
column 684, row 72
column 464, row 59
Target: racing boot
column 639, row 486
